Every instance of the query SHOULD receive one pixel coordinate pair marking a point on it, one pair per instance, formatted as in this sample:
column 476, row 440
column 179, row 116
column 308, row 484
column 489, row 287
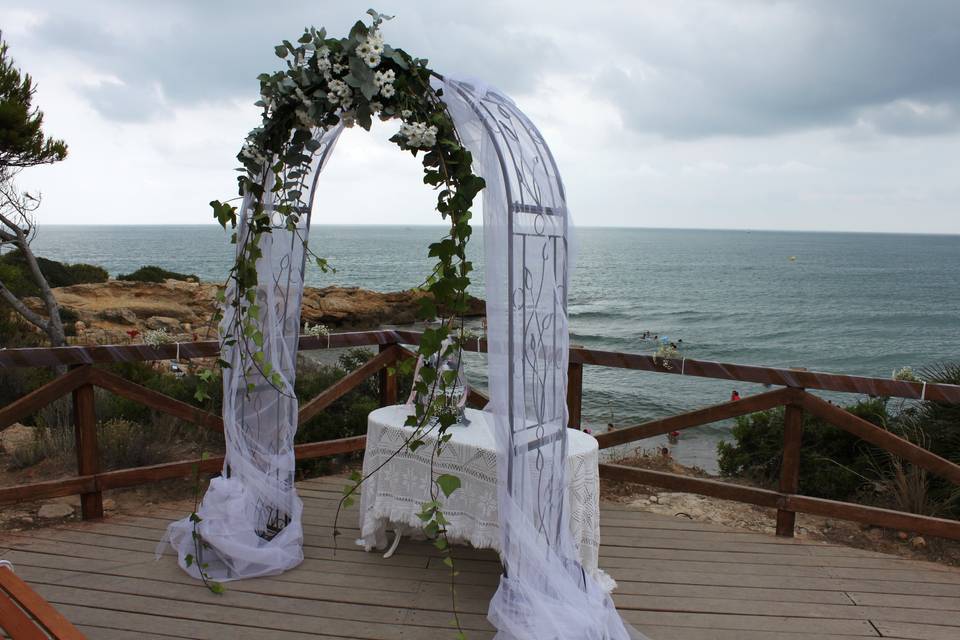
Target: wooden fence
column 792, row 392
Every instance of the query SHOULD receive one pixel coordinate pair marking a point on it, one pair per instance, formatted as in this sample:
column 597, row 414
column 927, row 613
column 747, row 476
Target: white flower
column 250, row 151
column 323, row 52
column 156, row 337
column 316, row 329
column 340, row 87
column 375, row 42
column 363, row 49
column 376, row 107
column 383, row 78
column 419, row 135
column 406, row 113
column 339, row 68
column 323, row 64
column 372, row 60
column 333, row 98
column 387, row 91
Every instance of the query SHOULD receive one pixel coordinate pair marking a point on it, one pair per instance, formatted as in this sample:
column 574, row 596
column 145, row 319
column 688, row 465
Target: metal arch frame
column 512, row 134
column 273, row 518
column 525, row 172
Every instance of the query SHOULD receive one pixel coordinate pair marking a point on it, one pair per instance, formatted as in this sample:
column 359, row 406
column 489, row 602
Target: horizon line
column 575, row 227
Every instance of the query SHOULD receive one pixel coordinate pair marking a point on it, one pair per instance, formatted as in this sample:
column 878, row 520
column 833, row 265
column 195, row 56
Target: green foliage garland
column 328, row 81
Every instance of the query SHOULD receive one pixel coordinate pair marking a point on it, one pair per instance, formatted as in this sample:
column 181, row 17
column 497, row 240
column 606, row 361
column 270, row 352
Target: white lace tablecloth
column 392, row 497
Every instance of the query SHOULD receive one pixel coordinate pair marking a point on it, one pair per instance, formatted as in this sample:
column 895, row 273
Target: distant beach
column 848, row 303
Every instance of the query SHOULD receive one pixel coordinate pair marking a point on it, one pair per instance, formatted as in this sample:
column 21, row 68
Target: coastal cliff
column 115, row 308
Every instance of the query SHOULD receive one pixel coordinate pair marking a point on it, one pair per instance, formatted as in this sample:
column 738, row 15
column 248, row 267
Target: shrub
column 935, row 427
column 833, row 463
column 131, row 434
column 152, row 273
column 16, row 274
column 347, row 416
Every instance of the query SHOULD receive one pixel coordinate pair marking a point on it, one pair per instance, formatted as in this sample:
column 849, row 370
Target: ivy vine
column 328, row 81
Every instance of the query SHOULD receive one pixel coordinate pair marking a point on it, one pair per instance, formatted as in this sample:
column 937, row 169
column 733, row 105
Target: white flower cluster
column 419, row 135
column 340, row 93
column 905, row 374
column 157, row 337
column 384, row 81
column 251, row 151
column 371, row 49
column 316, row 330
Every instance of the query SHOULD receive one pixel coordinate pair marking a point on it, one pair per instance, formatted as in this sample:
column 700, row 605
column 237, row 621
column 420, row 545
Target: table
column 392, row 497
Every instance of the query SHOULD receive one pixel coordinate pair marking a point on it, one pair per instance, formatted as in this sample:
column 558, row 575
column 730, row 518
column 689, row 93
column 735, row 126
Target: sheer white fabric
column 250, row 516
column 544, row 592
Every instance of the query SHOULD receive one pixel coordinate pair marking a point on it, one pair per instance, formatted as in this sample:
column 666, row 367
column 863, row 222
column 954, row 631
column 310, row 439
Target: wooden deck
column 678, row 580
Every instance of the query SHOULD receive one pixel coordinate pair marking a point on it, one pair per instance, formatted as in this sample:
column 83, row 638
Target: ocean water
column 847, row 303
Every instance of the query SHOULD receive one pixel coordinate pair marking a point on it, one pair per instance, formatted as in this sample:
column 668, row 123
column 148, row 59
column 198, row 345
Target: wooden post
column 388, row 383
column 790, row 467
column 88, row 452
column 574, row 393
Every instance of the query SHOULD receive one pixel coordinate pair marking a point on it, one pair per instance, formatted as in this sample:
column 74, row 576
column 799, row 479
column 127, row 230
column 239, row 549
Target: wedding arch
column 471, row 137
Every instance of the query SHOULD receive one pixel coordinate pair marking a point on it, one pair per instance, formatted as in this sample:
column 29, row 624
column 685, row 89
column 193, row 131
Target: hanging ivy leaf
column 448, row 483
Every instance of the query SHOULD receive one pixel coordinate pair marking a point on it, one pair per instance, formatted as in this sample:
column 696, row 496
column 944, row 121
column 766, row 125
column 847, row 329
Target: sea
column 851, row 303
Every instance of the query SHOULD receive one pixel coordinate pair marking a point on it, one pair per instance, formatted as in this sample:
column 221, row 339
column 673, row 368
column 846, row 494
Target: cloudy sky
column 832, row 115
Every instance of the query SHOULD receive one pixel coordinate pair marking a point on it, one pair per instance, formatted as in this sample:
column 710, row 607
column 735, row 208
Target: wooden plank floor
column 678, row 580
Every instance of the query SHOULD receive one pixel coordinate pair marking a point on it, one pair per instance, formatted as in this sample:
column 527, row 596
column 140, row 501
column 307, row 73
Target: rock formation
column 116, row 311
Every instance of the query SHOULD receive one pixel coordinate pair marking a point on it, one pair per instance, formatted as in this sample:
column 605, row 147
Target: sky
column 840, row 115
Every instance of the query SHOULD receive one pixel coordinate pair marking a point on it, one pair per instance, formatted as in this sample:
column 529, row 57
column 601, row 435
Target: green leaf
column 448, row 483
column 217, row 588
column 188, row 559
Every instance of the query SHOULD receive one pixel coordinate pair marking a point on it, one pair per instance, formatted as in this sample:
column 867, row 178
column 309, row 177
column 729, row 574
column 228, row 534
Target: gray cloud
column 808, row 114
column 202, row 52
column 752, row 69
column 694, row 70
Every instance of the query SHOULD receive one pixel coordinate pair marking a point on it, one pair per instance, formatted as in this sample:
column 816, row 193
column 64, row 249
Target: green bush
column 833, row 463
column 936, row 427
column 15, row 273
column 134, row 435
column 152, row 273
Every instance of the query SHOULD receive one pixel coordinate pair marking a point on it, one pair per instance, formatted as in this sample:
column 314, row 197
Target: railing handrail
column 792, row 394
column 781, row 376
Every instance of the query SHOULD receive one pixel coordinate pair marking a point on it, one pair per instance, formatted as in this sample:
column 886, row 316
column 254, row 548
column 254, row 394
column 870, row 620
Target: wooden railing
column 793, row 393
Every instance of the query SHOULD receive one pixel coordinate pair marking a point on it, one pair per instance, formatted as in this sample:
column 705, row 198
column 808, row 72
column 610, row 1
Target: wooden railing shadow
column 793, row 394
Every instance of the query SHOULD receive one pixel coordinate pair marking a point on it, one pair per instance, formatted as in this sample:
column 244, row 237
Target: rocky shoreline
column 118, row 311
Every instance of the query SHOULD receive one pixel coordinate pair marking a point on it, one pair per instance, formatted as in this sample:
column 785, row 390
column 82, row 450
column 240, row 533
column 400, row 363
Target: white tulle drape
column 544, row 593
column 250, row 518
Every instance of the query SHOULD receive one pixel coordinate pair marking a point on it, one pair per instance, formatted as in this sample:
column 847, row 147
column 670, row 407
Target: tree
column 23, row 144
